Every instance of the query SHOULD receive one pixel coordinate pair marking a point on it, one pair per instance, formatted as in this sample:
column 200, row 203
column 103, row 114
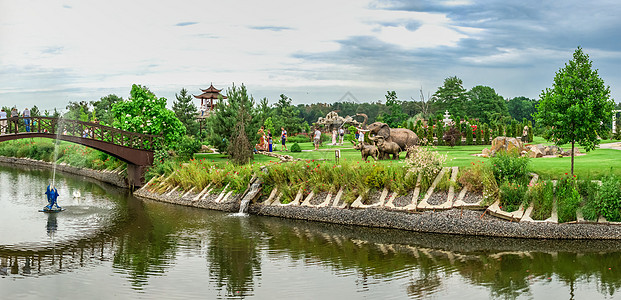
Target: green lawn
column 593, row 165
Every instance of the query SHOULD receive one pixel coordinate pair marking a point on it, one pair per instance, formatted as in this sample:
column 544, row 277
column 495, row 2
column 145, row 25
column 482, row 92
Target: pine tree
column 240, row 149
column 221, row 124
column 186, row 111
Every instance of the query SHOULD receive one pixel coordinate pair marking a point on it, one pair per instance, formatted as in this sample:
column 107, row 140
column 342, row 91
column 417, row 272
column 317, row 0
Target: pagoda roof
column 210, row 93
column 211, row 89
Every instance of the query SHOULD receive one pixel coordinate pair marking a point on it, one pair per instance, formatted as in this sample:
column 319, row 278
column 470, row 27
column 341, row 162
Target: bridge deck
column 134, row 148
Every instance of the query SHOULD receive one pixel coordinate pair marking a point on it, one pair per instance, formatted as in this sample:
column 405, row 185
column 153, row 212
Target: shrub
column 609, row 200
column 440, row 133
column 300, row 138
column 588, row 190
column 187, row 146
column 425, row 161
column 468, row 136
column 375, row 177
column 479, row 136
column 512, row 195
column 485, row 130
column 542, row 196
column 296, row 148
column 510, row 167
column 474, row 178
column 567, row 199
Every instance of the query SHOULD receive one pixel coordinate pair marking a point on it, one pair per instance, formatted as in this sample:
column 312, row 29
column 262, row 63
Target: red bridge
column 133, row 148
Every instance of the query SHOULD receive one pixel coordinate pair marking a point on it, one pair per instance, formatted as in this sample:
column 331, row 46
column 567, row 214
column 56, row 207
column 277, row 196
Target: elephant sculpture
column 404, row 137
column 386, row 148
column 367, row 150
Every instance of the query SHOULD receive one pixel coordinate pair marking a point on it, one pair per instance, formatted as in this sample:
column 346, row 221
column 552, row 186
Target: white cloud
column 95, row 46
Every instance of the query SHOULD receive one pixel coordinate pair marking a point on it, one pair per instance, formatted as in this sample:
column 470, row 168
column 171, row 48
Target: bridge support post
column 135, row 175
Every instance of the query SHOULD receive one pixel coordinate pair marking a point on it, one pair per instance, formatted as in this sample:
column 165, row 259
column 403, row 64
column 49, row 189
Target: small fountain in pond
column 52, row 192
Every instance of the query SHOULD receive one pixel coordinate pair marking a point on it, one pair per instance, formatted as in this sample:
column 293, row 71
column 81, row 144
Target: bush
column 609, row 200
column 468, row 135
column 485, row 130
column 425, row 161
column 296, row 148
column 510, row 167
column 472, row 178
column 542, row 196
column 300, row 138
column 187, row 146
column 512, row 195
column 588, row 190
column 567, row 199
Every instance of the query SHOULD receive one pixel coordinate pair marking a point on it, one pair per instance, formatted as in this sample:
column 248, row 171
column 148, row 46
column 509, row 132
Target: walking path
column 616, row 146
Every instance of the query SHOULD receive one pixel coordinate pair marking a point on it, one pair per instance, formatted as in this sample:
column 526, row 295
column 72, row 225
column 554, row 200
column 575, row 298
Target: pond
column 108, row 244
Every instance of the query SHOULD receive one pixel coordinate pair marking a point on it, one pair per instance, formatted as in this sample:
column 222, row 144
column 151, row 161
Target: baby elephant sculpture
column 386, row 148
column 367, row 150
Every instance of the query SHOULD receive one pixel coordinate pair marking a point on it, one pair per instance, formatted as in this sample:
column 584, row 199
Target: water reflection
column 52, row 224
column 214, row 255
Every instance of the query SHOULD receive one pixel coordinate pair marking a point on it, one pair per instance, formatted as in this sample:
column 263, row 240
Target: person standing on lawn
column 317, row 138
column 283, row 138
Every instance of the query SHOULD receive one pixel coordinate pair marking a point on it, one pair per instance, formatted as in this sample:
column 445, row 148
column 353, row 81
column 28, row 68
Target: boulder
column 534, row 152
column 486, row 152
column 507, row 143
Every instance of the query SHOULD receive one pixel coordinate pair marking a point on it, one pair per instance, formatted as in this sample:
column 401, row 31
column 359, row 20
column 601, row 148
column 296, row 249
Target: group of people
column 13, row 119
column 340, row 133
column 266, row 141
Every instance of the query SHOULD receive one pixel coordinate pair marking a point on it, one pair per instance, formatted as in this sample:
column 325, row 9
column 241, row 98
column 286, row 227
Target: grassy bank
column 69, row 153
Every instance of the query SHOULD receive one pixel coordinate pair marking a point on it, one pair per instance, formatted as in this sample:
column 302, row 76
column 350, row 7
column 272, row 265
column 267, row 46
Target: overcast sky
column 52, row 52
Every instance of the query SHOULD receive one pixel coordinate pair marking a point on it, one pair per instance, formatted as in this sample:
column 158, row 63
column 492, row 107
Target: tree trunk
column 573, row 142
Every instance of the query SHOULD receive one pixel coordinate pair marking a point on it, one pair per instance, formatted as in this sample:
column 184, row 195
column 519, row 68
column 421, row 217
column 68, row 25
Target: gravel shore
column 453, row 221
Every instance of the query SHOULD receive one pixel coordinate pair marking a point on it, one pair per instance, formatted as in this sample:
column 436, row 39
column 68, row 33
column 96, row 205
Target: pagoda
column 207, row 99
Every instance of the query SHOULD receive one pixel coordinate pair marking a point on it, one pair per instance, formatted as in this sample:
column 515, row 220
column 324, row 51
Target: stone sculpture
column 367, row 150
column 404, row 137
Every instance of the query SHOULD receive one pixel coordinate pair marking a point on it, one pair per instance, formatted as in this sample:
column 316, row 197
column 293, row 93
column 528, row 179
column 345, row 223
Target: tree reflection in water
column 147, row 240
column 233, row 255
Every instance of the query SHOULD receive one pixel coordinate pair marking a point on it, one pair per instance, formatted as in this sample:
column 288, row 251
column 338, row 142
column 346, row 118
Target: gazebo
column 207, row 100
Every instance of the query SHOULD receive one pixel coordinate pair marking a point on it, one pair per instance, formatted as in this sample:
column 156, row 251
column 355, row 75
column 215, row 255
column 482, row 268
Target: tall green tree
column 103, row 108
column 264, row 110
column 77, row 111
column 485, row 104
column 577, row 108
column 395, row 115
column 521, row 107
column 221, row 124
column 450, row 96
column 145, row 113
column 286, row 115
column 35, row 112
column 186, row 111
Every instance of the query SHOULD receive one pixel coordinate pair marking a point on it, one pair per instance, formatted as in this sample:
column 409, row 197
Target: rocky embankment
column 456, row 212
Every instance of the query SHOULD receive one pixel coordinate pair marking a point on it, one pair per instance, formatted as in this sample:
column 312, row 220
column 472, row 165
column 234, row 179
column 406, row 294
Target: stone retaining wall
column 454, row 220
column 111, row 177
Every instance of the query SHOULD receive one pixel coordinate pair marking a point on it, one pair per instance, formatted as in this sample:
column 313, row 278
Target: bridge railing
column 78, row 129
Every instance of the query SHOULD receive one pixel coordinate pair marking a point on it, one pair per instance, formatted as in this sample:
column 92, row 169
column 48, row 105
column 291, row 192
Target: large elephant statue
column 404, row 137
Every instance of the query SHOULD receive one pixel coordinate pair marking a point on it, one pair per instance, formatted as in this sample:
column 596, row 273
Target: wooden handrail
column 15, row 125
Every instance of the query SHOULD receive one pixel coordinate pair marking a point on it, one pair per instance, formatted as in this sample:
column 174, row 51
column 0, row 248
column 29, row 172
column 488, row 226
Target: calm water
column 108, row 244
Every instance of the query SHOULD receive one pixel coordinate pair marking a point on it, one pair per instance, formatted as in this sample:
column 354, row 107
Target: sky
column 53, row 52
